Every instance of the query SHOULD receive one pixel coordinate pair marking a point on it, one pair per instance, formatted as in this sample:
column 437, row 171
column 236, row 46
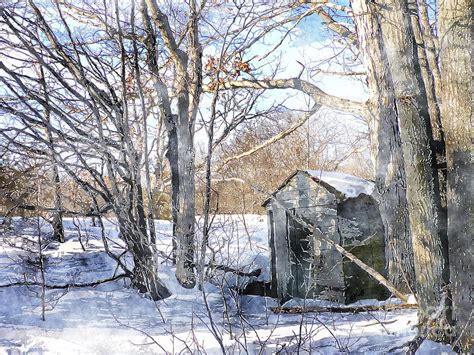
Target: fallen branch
column 342, row 309
column 68, row 285
column 372, row 272
column 238, row 272
column 220, row 267
column 18, row 204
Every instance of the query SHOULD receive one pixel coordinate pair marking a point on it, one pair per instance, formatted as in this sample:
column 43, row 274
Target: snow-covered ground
column 113, row 318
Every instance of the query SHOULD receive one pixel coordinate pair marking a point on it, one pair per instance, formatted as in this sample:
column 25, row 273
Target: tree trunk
column 133, row 230
column 172, row 156
column 430, row 75
column 145, row 271
column 180, row 155
column 58, row 229
column 182, row 159
column 428, row 66
column 455, row 33
column 150, row 203
column 429, row 246
column 185, row 223
column 386, row 149
column 146, row 278
column 57, row 222
column 139, row 86
column 430, row 45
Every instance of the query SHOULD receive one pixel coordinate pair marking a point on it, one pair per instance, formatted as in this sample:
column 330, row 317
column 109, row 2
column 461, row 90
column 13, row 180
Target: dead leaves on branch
column 228, row 70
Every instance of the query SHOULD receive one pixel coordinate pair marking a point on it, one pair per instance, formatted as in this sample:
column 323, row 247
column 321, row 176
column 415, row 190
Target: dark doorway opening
column 300, row 256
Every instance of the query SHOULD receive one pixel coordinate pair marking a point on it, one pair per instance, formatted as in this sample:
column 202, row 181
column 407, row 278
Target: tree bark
column 185, row 223
column 429, row 246
column 172, row 156
column 145, row 271
column 455, row 33
column 146, row 159
column 58, row 229
column 430, row 78
column 386, row 149
column 57, row 222
column 427, row 71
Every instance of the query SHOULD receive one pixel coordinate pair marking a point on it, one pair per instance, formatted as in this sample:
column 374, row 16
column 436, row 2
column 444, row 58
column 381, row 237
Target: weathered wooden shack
column 340, row 207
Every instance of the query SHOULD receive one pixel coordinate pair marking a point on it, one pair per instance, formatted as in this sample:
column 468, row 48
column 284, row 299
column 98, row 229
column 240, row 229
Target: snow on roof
column 351, row 186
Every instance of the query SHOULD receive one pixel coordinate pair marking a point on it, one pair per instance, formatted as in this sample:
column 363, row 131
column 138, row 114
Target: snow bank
column 114, row 319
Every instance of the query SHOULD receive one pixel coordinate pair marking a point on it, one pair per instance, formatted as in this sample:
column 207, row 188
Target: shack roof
column 348, row 185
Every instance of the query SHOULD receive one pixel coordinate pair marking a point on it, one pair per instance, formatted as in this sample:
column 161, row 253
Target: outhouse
column 340, row 207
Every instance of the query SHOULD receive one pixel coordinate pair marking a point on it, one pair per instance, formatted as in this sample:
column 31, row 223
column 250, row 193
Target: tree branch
column 342, row 309
column 273, row 139
column 68, row 285
column 318, row 95
column 332, row 24
column 161, row 21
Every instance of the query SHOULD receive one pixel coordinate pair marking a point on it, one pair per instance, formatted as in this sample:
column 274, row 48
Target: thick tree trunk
column 428, row 64
column 431, row 80
column 183, row 157
column 146, row 278
column 429, row 245
column 185, row 223
column 145, row 271
column 386, row 149
column 455, row 28
column 430, row 75
column 180, row 155
column 172, row 156
column 133, row 230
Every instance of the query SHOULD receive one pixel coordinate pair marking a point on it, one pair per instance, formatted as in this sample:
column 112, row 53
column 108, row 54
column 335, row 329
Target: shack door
column 300, row 257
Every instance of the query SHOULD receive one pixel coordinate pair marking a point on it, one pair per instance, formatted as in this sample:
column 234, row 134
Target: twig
column 379, row 322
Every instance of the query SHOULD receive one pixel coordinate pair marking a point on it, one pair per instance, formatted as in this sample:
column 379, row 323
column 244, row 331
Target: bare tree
column 87, row 125
column 180, row 126
column 57, row 221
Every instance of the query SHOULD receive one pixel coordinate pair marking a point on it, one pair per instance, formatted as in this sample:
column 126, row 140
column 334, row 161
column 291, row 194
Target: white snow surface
column 114, row 318
column 351, row 186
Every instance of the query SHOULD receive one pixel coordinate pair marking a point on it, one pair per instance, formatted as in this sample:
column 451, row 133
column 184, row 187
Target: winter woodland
column 154, row 166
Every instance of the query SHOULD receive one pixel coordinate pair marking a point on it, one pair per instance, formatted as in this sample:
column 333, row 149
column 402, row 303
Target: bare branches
column 274, row 139
column 161, row 21
column 337, row 27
